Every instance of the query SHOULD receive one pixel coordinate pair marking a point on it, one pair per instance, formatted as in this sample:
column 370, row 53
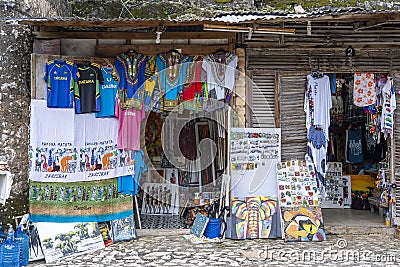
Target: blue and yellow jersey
column 59, row 76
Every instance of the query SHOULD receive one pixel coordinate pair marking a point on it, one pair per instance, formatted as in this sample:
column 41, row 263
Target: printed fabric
column 171, row 71
column 93, row 201
column 74, row 147
column 87, row 88
column 364, row 89
column 221, row 73
column 131, row 70
column 388, row 108
column 354, row 146
column 108, row 92
column 60, row 76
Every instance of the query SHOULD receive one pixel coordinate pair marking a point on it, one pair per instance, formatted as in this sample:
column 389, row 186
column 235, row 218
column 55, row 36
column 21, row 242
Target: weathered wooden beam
column 130, row 35
column 113, row 50
column 363, row 25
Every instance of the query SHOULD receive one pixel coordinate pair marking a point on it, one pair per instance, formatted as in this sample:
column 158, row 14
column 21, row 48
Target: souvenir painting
column 199, row 225
column 60, row 240
column 303, row 224
column 123, row 229
column 105, row 233
column 254, row 217
column 160, row 198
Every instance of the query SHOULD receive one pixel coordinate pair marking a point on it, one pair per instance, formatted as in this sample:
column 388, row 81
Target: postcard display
column 299, row 201
column 338, row 188
column 254, row 153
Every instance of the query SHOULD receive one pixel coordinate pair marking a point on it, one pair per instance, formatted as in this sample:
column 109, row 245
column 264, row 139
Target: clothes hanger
column 220, row 50
column 131, row 52
column 317, row 74
column 173, row 52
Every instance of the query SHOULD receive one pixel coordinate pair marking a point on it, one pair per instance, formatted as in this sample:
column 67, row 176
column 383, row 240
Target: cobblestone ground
column 176, row 251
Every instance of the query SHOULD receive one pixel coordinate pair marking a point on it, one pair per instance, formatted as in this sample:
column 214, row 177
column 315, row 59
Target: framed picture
column 160, row 198
column 171, row 176
column 155, row 176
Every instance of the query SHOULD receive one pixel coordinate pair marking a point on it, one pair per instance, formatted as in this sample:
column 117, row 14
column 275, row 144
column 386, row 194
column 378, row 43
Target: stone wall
column 15, row 50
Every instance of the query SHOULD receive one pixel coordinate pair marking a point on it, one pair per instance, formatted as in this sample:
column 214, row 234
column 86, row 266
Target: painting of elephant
column 254, row 217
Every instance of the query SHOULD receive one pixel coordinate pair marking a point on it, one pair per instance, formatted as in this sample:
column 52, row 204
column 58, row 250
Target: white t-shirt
column 220, row 70
column 319, row 91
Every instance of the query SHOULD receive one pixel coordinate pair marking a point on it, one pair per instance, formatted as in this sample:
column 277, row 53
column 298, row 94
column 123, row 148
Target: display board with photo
column 160, row 198
column 65, row 239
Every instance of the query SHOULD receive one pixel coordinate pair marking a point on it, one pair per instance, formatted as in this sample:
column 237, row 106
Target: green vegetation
column 158, row 9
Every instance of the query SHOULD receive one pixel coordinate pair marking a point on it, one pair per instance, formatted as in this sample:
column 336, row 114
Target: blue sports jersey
column 108, row 91
column 59, row 76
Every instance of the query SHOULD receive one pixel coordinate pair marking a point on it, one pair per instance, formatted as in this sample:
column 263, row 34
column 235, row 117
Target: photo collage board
column 297, row 184
column 338, row 188
column 299, row 202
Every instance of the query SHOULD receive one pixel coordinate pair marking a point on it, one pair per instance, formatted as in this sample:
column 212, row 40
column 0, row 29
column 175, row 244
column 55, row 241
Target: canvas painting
column 64, row 239
column 160, row 198
column 105, row 233
column 199, row 225
column 123, row 229
column 254, row 217
column 303, row 224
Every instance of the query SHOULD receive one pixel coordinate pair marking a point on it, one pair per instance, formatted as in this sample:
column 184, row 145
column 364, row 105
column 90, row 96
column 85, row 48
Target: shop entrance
column 359, row 189
column 186, row 159
column 360, row 171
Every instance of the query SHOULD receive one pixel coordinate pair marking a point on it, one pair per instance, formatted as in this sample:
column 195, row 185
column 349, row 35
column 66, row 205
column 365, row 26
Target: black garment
column 87, row 88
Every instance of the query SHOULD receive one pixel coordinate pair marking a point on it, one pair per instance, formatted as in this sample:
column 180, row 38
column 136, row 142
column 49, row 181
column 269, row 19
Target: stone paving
column 338, row 250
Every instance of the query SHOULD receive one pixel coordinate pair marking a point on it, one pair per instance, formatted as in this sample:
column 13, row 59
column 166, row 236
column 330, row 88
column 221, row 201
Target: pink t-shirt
column 129, row 126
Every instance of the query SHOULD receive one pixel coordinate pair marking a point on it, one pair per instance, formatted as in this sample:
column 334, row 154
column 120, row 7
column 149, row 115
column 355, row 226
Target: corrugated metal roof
column 227, row 18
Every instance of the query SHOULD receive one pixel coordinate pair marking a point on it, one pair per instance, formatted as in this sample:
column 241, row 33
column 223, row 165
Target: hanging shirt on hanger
column 87, row 88
column 221, row 73
column 60, row 76
column 128, row 126
column 318, row 103
column 388, row 108
column 364, row 89
column 108, row 92
column 171, row 71
column 131, row 70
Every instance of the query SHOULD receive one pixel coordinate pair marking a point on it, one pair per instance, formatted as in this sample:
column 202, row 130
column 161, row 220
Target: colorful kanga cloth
column 171, row 71
column 108, row 92
column 364, row 89
column 87, row 88
column 94, row 201
column 221, row 73
column 131, row 70
column 59, row 76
